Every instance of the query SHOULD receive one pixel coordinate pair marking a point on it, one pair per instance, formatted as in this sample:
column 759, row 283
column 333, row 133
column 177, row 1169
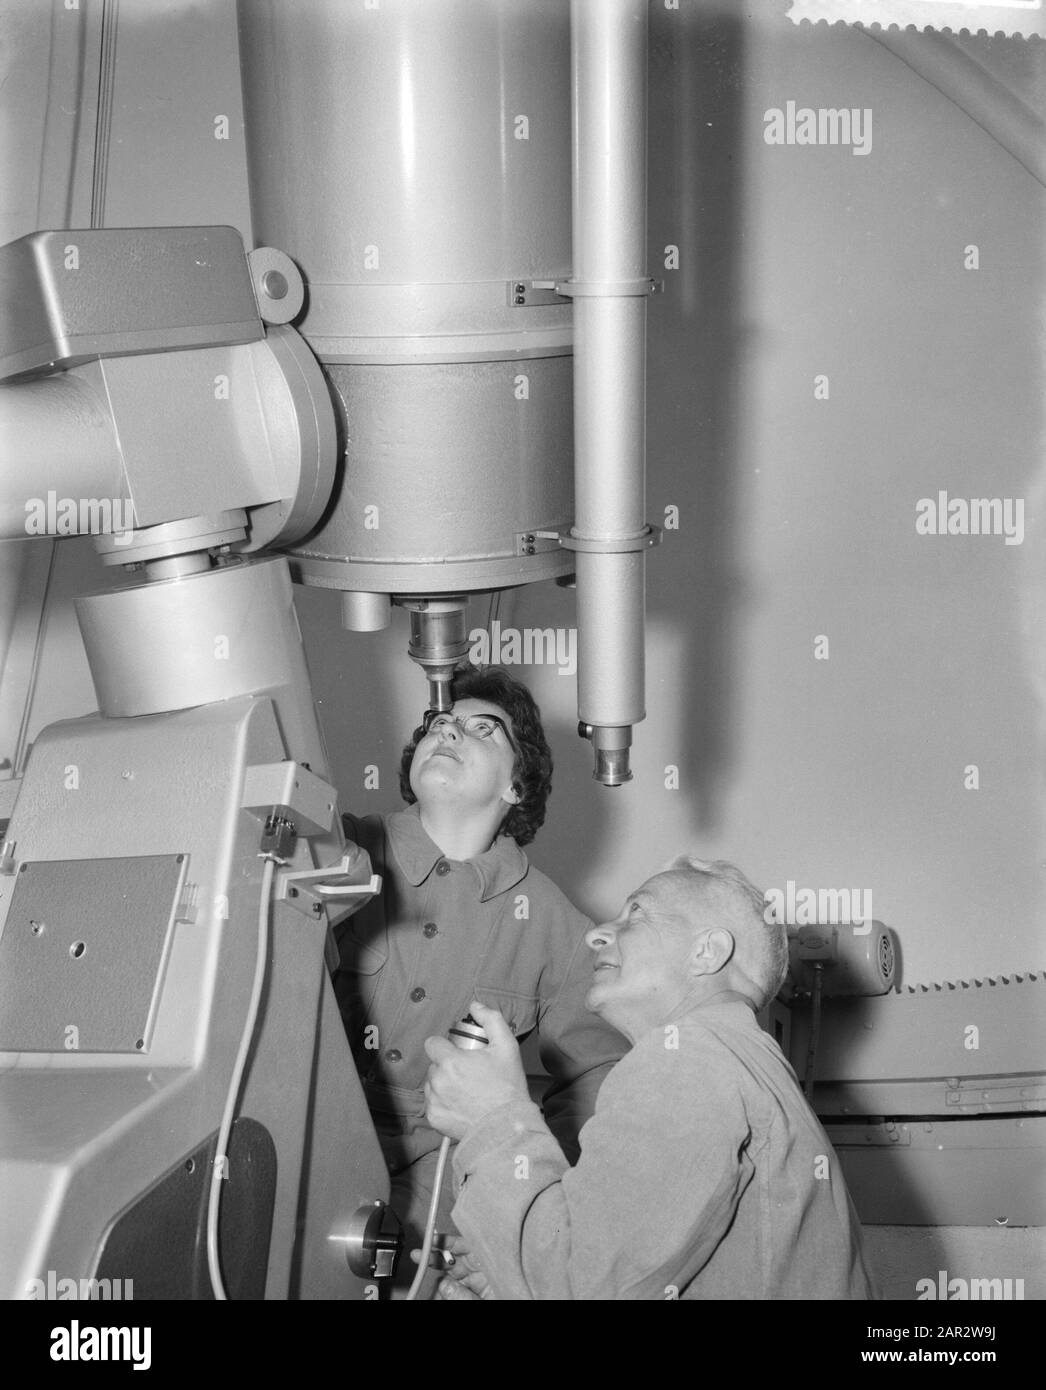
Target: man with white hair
column 703, row 1174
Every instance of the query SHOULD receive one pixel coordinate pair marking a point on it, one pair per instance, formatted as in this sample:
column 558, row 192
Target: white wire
column 224, row 1130
column 430, row 1224
column 22, row 741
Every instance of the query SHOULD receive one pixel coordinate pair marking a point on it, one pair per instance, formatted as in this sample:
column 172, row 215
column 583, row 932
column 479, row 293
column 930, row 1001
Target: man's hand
column 463, row 1086
column 463, row 1280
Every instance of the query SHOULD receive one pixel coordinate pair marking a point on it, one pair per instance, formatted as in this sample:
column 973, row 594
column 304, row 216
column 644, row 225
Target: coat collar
column 497, row 869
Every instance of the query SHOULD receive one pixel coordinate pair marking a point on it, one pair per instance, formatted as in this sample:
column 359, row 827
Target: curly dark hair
column 532, row 773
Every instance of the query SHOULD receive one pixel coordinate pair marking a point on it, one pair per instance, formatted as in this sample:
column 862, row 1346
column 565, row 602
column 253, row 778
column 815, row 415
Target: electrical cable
column 469, row 1036
column 236, row 1081
column 21, row 752
column 430, row 1224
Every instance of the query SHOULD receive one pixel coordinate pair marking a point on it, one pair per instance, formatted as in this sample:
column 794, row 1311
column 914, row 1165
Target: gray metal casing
column 76, row 294
column 84, row 1134
column 935, row 1100
column 383, row 158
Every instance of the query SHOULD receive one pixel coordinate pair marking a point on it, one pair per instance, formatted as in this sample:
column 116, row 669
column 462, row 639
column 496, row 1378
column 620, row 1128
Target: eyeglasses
column 475, row 725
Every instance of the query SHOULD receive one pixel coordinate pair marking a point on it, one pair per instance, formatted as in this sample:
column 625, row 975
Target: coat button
column 394, row 1055
column 429, row 929
column 417, row 995
column 442, row 868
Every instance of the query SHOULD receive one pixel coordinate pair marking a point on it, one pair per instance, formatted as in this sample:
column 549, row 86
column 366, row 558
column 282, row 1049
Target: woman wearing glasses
column 463, row 915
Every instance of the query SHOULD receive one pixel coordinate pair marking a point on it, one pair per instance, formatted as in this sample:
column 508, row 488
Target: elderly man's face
column 641, row 970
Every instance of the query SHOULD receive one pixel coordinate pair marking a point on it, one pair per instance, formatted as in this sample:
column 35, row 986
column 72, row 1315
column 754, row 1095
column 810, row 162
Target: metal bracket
column 290, row 791
column 347, row 885
column 885, row 1135
column 1012, row 1093
column 538, row 541
column 370, row 1249
column 188, row 910
column 530, row 294
column 650, row 536
column 609, row 289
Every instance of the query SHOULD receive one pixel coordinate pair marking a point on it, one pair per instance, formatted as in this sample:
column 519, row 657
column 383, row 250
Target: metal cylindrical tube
column 610, row 665
column 365, row 612
column 468, row 1035
column 57, row 436
column 609, row 417
column 437, row 630
column 413, row 160
column 438, row 642
column 609, row 74
column 177, row 643
column 178, row 566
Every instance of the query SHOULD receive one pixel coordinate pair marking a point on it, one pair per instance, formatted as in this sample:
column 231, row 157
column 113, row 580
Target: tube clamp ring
column 608, row 289
column 651, row 536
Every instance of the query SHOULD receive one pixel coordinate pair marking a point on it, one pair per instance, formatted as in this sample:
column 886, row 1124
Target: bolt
column 521, row 289
column 292, row 892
